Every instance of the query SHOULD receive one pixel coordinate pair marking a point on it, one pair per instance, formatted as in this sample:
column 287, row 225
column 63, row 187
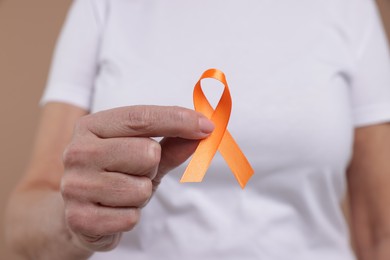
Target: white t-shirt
column 302, row 74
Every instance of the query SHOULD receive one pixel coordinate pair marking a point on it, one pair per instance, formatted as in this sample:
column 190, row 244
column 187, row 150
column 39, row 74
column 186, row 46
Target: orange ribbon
column 220, row 139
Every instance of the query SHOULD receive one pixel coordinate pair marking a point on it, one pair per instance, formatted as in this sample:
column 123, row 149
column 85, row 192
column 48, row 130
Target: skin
column 114, row 147
column 369, row 192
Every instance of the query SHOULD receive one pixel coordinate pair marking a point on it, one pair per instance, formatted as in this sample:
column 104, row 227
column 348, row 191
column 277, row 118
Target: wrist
column 36, row 227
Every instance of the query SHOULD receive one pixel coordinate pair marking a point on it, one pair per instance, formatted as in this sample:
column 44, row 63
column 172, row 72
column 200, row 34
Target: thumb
column 174, row 152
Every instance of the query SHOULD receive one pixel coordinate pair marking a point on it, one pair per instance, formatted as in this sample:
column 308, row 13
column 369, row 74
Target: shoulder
column 97, row 8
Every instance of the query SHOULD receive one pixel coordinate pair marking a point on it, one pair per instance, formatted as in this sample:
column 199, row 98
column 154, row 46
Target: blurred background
column 28, row 32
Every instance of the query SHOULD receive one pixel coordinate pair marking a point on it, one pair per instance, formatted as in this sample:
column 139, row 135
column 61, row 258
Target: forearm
column 382, row 249
column 35, row 227
column 369, row 179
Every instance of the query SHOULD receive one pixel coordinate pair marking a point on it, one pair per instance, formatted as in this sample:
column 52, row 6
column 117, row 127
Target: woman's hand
column 112, row 166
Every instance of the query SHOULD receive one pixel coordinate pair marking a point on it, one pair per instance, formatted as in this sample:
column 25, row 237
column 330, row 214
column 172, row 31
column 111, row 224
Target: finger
column 135, row 156
column 148, row 121
column 110, row 189
column 175, row 151
column 99, row 243
column 95, row 221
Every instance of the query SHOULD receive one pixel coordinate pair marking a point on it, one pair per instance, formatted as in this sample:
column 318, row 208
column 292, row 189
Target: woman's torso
column 288, row 67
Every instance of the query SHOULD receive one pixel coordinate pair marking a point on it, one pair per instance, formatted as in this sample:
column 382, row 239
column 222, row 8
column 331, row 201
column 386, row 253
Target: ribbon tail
column 235, row 159
column 201, row 160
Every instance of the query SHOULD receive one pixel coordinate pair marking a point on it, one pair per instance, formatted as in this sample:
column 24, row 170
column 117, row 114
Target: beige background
column 28, row 29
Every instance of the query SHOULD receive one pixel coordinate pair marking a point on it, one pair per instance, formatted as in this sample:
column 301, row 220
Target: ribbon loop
column 220, row 139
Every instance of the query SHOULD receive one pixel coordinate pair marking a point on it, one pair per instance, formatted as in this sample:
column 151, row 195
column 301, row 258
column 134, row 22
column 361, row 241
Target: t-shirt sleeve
column 74, row 66
column 370, row 83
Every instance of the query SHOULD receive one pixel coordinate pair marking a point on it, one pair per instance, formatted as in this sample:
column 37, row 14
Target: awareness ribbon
column 220, row 139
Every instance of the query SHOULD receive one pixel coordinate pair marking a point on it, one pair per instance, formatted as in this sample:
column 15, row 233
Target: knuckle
column 72, row 155
column 131, row 220
column 81, row 218
column 153, row 153
column 75, row 219
column 181, row 114
column 140, row 118
column 144, row 190
column 79, row 154
column 183, row 119
column 72, row 187
column 66, row 187
column 101, row 243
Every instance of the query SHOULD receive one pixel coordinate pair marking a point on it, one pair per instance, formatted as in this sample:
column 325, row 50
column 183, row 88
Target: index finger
column 149, row 121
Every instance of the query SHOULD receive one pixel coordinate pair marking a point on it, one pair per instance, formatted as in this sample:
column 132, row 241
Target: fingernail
column 205, row 125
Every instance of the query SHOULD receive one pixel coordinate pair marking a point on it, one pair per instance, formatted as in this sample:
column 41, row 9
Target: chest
column 288, row 76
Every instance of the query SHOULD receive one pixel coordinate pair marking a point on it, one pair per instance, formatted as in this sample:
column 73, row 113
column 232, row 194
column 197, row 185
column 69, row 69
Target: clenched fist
column 113, row 166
